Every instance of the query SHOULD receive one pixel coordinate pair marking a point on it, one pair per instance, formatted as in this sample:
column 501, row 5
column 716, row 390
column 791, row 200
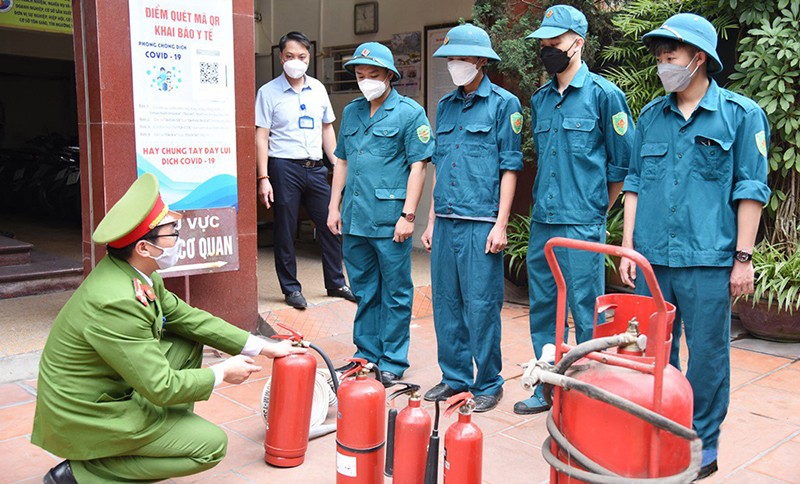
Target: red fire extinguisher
column 463, row 443
column 289, row 414
column 360, row 426
column 628, row 413
column 408, row 432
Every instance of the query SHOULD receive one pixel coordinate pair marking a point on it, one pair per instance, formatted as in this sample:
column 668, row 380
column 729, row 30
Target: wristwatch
column 410, row 217
column 743, row 256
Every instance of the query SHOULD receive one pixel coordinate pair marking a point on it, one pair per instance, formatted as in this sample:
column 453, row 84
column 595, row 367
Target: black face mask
column 555, row 60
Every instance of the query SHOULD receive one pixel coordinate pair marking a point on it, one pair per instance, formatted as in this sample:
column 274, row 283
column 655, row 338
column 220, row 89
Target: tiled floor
column 760, row 441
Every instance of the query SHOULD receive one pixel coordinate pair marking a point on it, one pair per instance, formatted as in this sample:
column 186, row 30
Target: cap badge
column 365, row 52
column 548, row 14
column 446, row 40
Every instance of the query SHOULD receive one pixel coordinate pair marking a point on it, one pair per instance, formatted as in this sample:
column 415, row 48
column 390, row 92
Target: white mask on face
column 462, row 72
column 169, row 256
column 295, row 68
column 372, row 88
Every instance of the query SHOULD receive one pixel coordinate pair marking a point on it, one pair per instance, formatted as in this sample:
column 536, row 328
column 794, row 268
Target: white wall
column 330, row 24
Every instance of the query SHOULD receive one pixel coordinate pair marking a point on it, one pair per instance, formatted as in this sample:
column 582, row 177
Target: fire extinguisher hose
column 596, row 473
column 329, row 364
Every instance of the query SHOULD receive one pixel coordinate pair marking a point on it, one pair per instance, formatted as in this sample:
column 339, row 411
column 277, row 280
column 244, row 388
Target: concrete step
column 14, row 252
column 43, row 273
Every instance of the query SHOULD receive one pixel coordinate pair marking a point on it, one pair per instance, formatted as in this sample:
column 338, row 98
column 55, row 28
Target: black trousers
column 293, row 185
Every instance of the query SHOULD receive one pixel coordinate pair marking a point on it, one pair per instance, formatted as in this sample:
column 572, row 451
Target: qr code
column 209, row 73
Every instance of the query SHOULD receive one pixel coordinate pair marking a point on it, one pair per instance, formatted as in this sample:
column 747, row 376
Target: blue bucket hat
column 373, row 54
column 560, row 19
column 693, row 30
column 467, row 41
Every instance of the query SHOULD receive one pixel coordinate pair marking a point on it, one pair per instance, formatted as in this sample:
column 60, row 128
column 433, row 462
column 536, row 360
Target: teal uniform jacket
column 691, row 174
column 379, row 151
column 103, row 378
column 476, row 140
column 583, row 140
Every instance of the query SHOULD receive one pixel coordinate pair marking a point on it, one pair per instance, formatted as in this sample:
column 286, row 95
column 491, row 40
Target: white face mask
column 676, row 78
column 372, row 88
column 462, row 72
column 170, row 255
column 295, row 68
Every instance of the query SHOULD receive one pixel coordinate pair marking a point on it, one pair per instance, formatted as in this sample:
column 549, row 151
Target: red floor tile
column 781, row 463
column 786, row 379
column 19, row 459
column 509, row 461
column 13, row 394
column 745, row 477
column 218, row 409
column 17, row 420
column 758, row 362
column 746, row 435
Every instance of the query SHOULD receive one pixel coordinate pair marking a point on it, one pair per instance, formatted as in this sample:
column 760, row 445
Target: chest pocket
column 444, row 141
column 479, row 134
column 540, row 132
column 713, row 158
column 350, row 140
column 479, row 150
column 578, row 132
column 654, row 160
column 385, row 140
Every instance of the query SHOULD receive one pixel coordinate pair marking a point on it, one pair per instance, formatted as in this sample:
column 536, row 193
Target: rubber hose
column 579, row 352
column 329, row 364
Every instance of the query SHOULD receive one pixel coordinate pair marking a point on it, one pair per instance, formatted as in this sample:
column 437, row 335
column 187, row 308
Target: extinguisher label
column 346, row 465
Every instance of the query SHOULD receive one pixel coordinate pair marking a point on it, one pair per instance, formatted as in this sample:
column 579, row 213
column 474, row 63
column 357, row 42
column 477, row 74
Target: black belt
column 306, row 163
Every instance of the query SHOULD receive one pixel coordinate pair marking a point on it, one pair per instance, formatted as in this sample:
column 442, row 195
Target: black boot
column 60, row 474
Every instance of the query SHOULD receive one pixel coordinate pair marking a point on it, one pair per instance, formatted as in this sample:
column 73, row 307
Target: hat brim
column 171, row 217
column 547, row 33
column 450, row 50
column 366, row 61
column 692, row 40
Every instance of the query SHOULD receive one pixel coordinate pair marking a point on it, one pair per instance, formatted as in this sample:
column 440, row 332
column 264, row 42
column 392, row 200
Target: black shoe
column 343, row 292
column 707, row 470
column 388, row 378
column 60, row 474
column 484, row 403
column 440, row 392
column 296, row 300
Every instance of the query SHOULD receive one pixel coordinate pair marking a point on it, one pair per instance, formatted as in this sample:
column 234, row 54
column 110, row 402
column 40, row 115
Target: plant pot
column 767, row 323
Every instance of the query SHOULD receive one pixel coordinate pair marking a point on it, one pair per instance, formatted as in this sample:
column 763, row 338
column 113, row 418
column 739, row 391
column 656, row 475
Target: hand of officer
column 335, row 221
column 265, row 193
column 282, row 348
column 427, row 237
column 237, row 369
column 496, row 241
column 742, row 279
column 403, row 229
column 627, row 272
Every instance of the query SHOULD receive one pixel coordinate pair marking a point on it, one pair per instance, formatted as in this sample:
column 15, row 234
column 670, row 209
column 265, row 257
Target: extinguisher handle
column 359, row 364
column 408, row 388
column 457, row 401
column 294, row 336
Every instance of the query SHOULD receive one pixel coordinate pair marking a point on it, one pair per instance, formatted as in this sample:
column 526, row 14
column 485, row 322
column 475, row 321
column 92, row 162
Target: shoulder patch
column 424, row 133
column 620, row 121
column 761, row 142
column 516, row 122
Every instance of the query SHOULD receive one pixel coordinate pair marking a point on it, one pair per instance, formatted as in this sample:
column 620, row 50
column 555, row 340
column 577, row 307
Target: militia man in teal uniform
column 121, row 368
column 384, row 142
column 477, row 158
column 583, row 137
column 693, row 199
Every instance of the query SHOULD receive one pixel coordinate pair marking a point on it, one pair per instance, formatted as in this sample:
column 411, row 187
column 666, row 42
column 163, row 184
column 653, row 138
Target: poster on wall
column 437, row 78
column 407, row 50
column 185, row 121
column 40, row 15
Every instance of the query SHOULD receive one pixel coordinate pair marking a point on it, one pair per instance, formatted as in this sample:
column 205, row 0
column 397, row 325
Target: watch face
column 743, row 256
column 410, row 217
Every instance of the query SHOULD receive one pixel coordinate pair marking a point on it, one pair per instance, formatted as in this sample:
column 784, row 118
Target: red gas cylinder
column 412, row 430
column 289, row 414
column 463, row 444
column 360, row 428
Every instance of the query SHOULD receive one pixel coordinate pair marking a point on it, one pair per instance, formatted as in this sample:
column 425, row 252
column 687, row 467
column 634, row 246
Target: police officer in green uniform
column 120, row 371
column 693, row 202
column 478, row 128
column 583, row 137
column 383, row 143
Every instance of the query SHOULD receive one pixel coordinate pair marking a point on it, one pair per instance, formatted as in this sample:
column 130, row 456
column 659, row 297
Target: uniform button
column 454, row 165
column 553, row 174
column 457, row 146
column 452, row 184
column 672, row 235
column 391, row 196
column 556, row 130
column 550, row 214
column 558, row 106
column 553, row 152
column 683, row 130
column 673, row 209
column 358, row 172
column 550, row 197
column 385, row 132
column 461, row 128
column 680, row 155
column 356, row 194
column 361, row 152
column 676, row 182
column 577, row 125
column 712, row 152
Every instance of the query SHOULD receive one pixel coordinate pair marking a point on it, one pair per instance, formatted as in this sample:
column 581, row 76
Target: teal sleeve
column 635, row 163
column 419, row 141
column 619, row 132
column 509, row 134
column 750, row 165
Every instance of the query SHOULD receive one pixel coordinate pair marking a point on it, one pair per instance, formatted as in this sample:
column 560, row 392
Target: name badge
column 306, row 122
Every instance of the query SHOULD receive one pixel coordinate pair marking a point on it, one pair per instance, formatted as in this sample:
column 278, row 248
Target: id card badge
column 306, row 122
